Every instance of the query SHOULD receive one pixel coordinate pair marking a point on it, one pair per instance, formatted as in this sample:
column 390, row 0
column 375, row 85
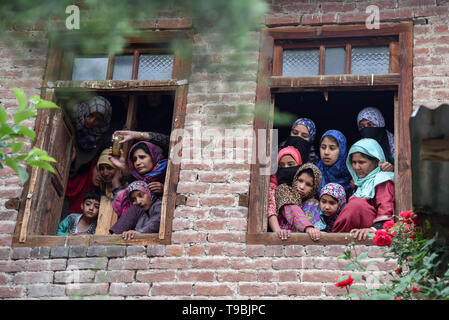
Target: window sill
column 271, row 238
column 88, row 240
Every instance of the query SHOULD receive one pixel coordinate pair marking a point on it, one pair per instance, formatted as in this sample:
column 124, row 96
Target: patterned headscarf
column 309, row 124
column 366, row 186
column 375, row 116
column 285, row 194
column 337, row 192
column 137, row 185
column 88, row 138
column 338, row 172
column 121, row 201
column 159, row 163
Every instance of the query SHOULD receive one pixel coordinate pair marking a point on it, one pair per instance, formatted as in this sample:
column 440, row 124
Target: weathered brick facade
column 208, row 256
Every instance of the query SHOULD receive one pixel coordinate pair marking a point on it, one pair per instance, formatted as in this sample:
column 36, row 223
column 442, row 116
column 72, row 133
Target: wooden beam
column 106, row 217
column 271, row 238
column 435, row 150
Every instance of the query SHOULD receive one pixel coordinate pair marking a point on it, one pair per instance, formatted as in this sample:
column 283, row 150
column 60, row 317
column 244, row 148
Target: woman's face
column 328, row 205
column 304, row 184
column 329, row 151
column 362, row 165
column 301, row 131
column 287, row 161
column 142, row 161
column 140, row 199
column 93, row 120
column 107, row 172
column 365, row 123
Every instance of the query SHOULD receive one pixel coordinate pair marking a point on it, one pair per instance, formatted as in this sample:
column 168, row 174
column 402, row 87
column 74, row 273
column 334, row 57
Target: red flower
column 382, row 238
column 398, row 270
column 388, row 225
column 344, row 280
column 415, row 289
column 397, row 298
column 407, row 215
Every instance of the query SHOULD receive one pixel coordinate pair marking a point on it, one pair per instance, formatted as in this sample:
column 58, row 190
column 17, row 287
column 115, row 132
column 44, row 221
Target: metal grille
column 300, row 62
column 155, row 67
column 370, row 60
column 123, row 67
column 92, row 68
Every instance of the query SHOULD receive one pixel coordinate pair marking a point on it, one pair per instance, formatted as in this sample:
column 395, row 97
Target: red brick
column 236, row 276
column 174, row 251
column 181, row 224
column 33, row 277
column 128, row 263
column 227, row 237
column 188, row 237
column 188, row 188
column 252, row 264
column 205, row 225
column 320, row 276
column 155, row 276
column 260, row 289
column 285, row 276
column 268, row 276
column 85, row 289
column 188, row 212
column 213, row 290
column 213, row 176
column 11, row 292
column 171, row 289
column 195, row 250
column 300, row 289
column 318, row 19
column 168, row 263
column 287, row 263
column 196, row 276
column 129, row 289
column 209, row 263
column 282, row 21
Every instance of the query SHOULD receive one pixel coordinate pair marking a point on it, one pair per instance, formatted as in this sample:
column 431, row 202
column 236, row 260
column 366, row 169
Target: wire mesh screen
column 155, row 67
column 370, row 60
column 301, row 62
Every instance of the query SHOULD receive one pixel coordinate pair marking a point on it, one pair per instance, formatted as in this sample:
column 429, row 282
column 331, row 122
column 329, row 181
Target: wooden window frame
column 270, row 81
column 57, row 75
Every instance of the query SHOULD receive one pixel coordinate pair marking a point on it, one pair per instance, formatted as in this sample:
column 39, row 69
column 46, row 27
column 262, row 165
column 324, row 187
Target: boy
column 85, row 222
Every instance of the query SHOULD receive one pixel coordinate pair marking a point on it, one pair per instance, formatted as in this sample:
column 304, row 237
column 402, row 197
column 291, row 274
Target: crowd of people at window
column 329, row 190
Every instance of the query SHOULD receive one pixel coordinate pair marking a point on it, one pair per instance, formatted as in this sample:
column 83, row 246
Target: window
column 146, row 71
column 338, row 63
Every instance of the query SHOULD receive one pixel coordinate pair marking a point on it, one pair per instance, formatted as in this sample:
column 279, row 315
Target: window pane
column 370, row 60
column 301, row 62
column 92, row 68
column 123, row 67
column 334, row 62
column 155, row 67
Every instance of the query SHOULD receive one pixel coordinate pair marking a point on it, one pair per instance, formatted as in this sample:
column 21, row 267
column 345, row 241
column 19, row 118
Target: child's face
column 287, row 161
column 301, row 131
column 328, row 205
column 329, row 151
column 304, row 184
column 140, row 199
column 90, row 208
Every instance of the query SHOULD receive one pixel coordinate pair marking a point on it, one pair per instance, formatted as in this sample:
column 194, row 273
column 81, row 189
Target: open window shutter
column 43, row 204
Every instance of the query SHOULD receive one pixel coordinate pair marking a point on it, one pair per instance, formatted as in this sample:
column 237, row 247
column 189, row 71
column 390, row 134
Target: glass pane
column 155, row 67
column 334, row 61
column 123, row 67
column 92, row 68
column 301, row 62
column 370, row 60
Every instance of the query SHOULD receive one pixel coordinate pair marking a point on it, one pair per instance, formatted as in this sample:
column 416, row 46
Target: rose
column 382, row 238
column 388, row 225
column 344, row 280
column 415, row 289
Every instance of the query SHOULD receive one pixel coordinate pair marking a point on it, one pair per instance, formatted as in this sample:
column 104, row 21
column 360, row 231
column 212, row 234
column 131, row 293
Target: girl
column 302, row 136
column 333, row 160
column 332, row 201
column 373, row 202
column 289, row 160
column 110, row 176
column 144, row 214
column 298, row 210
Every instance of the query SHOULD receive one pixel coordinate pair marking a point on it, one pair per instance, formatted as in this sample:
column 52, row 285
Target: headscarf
column 300, row 144
column 88, row 138
column 309, row 124
column 338, row 172
column 122, row 203
column 375, row 116
column 285, row 175
column 285, row 194
column 104, row 159
column 159, row 163
column 366, row 186
column 337, row 192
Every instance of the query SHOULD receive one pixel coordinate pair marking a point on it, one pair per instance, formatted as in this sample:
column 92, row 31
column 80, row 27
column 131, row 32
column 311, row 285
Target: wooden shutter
column 45, row 194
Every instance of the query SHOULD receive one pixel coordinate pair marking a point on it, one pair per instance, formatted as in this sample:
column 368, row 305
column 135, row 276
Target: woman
column 373, row 202
column 371, row 124
column 146, row 163
column 110, row 176
column 289, row 161
column 332, row 163
column 302, row 136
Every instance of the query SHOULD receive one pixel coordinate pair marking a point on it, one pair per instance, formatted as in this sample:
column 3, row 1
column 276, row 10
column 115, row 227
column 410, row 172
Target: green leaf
column 12, row 163
column 44, row 104
column 41, row 164
column 5, row 130
column 23, row 114
column 17, row 146
column 26, row 131
column 362, row 256
column 351, row 266
column 3, row 115
column 21, row 98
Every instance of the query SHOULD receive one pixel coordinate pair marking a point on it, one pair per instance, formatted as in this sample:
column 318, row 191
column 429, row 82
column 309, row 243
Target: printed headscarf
column 375, row 116
column 309, row 124
column 285, row 194
column 121, row 201
column 338, row 172
column 366, row 186
column 88, row 138
column 337, row 192
column 159, row 163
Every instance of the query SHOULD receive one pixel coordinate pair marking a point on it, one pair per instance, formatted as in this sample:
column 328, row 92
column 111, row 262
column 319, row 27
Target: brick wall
column 208, row 257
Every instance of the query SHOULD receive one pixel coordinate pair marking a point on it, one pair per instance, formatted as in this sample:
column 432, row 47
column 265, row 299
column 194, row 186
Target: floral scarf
column 337, row 192
column 309, row 124
column 338, row 172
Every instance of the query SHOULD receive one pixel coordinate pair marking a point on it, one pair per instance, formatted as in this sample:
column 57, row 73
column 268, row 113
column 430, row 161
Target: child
column 289, row 160
column 143, row 214
column 332, row 201
column 298, row 210
column 85, row 222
